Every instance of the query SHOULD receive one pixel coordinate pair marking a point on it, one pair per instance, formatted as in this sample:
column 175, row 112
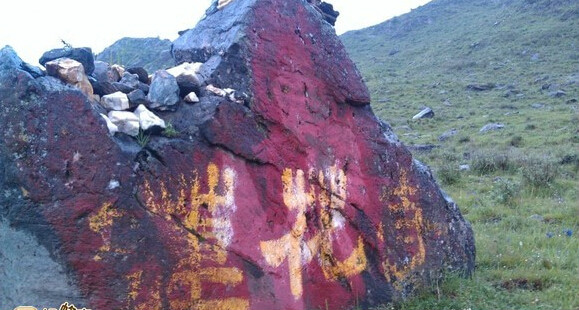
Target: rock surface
column 298, row 198
column 164, row 90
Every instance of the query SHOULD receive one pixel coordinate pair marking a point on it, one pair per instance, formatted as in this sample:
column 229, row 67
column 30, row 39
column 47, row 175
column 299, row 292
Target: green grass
column 521, row 192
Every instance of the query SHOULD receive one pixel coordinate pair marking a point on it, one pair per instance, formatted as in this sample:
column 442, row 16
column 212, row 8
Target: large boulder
column 298, row 197
column 81, row 54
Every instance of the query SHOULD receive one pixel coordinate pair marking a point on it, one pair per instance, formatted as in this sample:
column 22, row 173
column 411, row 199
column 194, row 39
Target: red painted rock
column 296, row 197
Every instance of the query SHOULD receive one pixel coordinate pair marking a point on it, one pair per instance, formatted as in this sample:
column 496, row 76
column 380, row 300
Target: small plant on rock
column 170, row 131
column 142, row 138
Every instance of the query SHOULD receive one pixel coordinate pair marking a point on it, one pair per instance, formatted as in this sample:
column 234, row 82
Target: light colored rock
column 113, row 184
column 216, row 90
column 187, row 76
column 464, row 167
column 116, row 101
column 127, row 122
column 222, row 3
column 192, row 98
column 118, row 72
column 148, row 119
column 185, row 68
column 426, row 113
column 112, row 127
column 491, row 126
column 71, row 72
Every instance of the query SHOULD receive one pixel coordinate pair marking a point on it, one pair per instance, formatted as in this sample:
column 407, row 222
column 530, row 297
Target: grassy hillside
column 149, row 53
column 521, row 191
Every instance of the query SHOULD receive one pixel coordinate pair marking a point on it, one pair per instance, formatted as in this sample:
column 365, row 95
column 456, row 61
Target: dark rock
column 422, row 148
column 131, row 80
column 253, row 206
column 103, row 88
column 164, row 91
column 182, row 32
column 33, row 70
column 558, row 94
column 9, row 59
column 481, row 87
column 143, row 87
column 137, row 97
column 82, row 54
column 141, row 73
column 570, row 159
column 122, row 87
column 104, row 73
column 330, row 15
column 425, row 113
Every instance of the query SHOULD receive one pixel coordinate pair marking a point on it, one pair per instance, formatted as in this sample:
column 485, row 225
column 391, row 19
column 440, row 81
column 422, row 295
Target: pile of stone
column 126, row 96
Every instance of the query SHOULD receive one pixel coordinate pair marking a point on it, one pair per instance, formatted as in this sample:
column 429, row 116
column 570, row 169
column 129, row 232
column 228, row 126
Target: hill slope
column 527, row 49
column 512, row 62
column 149, row 53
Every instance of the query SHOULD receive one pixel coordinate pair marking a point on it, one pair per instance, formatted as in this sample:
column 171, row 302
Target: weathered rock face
column 294, row 196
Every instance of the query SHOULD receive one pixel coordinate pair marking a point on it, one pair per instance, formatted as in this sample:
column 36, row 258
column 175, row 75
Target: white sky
column 32, row 27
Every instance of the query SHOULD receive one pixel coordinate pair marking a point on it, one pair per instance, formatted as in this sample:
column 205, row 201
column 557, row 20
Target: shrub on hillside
column 539, row 172
column 489, row 162
column 505, row 191
column 448, row 174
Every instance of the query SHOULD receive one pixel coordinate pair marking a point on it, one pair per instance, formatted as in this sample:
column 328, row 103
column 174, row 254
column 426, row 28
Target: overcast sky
column 32, row 27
